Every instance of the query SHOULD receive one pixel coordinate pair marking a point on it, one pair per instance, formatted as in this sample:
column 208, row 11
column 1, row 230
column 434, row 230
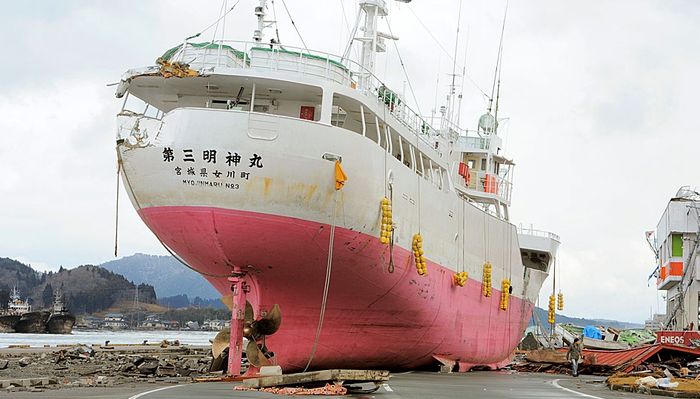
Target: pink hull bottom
column 374, row 318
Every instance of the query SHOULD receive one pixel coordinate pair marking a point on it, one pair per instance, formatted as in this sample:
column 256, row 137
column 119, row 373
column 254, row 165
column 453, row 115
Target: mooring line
column 556, row 384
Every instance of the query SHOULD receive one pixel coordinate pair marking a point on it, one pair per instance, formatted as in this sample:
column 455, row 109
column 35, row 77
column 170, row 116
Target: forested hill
column 85, row 288
column 165, row 273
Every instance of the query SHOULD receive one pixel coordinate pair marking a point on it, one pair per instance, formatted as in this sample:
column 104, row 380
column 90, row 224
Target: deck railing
column 317, row 64
column 537, row 233
column 474, row 143
column 487, row 183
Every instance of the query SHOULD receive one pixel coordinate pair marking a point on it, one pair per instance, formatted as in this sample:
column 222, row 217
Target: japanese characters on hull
column 222, row 174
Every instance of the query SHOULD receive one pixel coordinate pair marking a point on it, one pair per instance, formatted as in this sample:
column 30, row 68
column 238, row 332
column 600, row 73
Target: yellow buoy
column 460, row 278
column 551, row 314
column 505, row 293
column 486, row 280
column 387, row 223
column 418, row 254
column 560, row 301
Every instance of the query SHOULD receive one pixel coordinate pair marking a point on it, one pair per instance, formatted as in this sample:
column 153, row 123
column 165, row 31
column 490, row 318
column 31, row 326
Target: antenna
column 450, row 96
column 499, row 68
column 464, row 73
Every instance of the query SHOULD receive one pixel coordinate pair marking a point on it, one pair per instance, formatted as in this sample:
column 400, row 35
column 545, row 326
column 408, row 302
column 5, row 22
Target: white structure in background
column 16, row 306
column 152, row 321
column 675, row 245
column 216, row 325
column 115, row 321
column 192, row 325
column 656, row 322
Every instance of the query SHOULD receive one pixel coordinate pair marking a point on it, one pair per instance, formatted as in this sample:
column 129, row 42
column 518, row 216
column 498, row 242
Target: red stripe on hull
column 374, row 319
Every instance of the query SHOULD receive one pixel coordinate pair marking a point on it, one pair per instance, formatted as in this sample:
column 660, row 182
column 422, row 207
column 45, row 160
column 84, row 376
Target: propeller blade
column 269, row 324
column 249, row 315
column 255, row 356
column 221, row 342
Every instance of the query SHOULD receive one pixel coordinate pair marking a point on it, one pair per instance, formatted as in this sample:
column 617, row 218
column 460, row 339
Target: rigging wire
column 451, row 103
column 295, row 26
column 496, row 73
column 351, row 31
column 216, row 29
column 274, row 15
column 348, row 47
column 215, row 22
column 447, row 52
column 403, row 67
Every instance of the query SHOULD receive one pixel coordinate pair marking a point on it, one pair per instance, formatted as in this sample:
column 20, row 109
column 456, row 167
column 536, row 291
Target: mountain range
column 160, row 278
column 168, row 276
column 84, row 288
column 541, row 314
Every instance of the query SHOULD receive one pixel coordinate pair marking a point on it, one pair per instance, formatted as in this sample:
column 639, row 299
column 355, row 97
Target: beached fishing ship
column 19, row 317
column 16, row 307
column 303, row 184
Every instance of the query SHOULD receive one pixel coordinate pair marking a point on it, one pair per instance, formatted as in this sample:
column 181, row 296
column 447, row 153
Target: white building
column 675, row 245
column 656, row 322
column 152, row 321
column 216, row 325
column 115, row 321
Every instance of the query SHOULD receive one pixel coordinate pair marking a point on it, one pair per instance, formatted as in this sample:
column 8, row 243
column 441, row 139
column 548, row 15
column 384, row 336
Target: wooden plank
column 318, row 376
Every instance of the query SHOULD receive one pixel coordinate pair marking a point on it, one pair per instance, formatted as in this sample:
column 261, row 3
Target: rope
column 326, row 285
column 295, row 26
column 391, row 238
column 116, row 211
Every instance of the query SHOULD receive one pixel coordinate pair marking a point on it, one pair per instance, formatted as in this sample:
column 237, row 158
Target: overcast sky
column 600, row 98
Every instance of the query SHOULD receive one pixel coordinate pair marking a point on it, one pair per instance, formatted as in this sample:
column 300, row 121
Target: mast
column 451, row 95
column 371, row 40
column 262, row 24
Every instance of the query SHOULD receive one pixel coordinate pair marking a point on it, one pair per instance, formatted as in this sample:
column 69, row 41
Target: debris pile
column 607, row 362
column 656, row 382
column 328, row 389
column 86, row 365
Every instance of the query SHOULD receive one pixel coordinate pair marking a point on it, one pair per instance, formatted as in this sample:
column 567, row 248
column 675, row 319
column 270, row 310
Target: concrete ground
column 402, row 385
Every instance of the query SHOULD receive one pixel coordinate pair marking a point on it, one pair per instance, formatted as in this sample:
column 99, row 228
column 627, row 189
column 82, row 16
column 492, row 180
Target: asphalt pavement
column 482, row 384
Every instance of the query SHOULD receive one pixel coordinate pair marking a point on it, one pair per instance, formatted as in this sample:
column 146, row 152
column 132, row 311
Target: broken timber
column 336, row 376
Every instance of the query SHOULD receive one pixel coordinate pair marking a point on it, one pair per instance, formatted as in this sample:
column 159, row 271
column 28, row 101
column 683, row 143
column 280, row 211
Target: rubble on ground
column 655, row 383
column 328, row 389
column 84, row 366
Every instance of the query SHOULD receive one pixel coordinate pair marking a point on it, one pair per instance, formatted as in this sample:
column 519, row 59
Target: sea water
column 100, row 336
